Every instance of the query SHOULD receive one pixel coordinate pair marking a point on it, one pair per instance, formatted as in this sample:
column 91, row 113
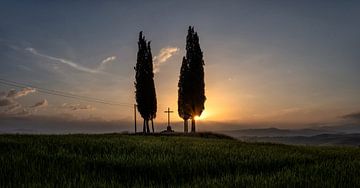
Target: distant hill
column 344, row 128
column 346, row 134
column 321, row 140
column 275, row 132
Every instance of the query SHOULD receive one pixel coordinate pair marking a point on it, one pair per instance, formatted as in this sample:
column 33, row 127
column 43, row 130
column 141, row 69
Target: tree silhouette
column 191, row 82
column 144, row 84
column 183, row 98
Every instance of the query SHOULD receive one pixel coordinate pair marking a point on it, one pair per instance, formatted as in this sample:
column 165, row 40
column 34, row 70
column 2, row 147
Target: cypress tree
column 152, row 92
column 183, row 99
column 191, row 83
column 145, row 88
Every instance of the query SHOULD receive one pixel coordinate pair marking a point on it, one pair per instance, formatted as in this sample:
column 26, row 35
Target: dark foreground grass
column 115, row 160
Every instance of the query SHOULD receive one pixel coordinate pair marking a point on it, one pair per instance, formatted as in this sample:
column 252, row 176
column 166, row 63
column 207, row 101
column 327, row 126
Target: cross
column 168, row 112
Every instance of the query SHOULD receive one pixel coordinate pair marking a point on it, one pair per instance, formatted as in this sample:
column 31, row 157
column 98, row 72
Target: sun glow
column 203, row 116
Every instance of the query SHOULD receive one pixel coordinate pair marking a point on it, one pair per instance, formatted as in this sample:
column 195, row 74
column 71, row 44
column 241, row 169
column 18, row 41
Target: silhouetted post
column 135, row 116
column 168, row 112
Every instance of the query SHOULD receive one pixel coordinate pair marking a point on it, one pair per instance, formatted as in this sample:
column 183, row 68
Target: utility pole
column 168, row 112
column 135, row 116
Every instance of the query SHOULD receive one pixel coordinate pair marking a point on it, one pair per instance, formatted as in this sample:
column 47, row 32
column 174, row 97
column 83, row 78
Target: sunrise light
column 203, row 116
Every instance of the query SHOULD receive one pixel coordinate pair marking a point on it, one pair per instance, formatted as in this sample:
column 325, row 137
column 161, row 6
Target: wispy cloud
column 40, row 104
column 72, row 64
column 7, row 99
column 37, row 107
column 6, row 102
column 163, row 56
column 76, row 107
column 11, row 107
column 17, row 94
column 106, row 61
column 9, row 104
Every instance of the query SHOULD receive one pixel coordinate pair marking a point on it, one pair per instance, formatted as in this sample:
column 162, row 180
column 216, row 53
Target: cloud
column 76, row 107
column 64, row 61
column 17, row 94
column 40, row 104
column 163, row 56
column 9, row 104
column 11, row 107
column 105, row 62
column 73, row 64
column 353, row 116
column 7, row 99
column 21, row 113
column 6, row 102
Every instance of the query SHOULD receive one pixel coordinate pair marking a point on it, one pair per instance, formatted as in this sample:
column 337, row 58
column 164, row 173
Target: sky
column 287, row 63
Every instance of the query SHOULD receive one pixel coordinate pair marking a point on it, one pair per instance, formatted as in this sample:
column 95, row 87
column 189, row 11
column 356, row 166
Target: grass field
column 135, row 160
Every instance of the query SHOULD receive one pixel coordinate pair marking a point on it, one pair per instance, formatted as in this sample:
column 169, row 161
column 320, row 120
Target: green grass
column 114, row 160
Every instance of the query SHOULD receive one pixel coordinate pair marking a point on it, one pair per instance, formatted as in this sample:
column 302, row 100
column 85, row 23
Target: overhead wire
column 61, row 93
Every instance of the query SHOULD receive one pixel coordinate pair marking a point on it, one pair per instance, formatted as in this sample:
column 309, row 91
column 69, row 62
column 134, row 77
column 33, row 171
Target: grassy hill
column 135, row 160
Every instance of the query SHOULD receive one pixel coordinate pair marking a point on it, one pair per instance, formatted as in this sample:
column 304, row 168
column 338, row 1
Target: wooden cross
column 168, row 112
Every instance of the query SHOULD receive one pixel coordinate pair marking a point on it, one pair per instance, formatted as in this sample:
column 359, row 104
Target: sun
column 203, row 116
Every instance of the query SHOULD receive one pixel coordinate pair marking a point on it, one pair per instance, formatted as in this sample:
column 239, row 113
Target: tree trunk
column 147, row 126
column 193, row 124
column 152, row 125
column 186, row 126
column 144, row 130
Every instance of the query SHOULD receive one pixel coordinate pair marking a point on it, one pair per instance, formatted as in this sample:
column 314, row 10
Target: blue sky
column 266, row 61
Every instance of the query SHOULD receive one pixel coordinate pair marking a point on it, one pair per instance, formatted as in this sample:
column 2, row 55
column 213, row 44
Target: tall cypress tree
column 183, row 98
column 144, row 84
column 152, row 92
column 191, row 83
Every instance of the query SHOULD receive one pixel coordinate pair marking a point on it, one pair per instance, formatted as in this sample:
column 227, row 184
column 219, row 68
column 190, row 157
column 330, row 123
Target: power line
column 49, row 90
column 61, row 93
